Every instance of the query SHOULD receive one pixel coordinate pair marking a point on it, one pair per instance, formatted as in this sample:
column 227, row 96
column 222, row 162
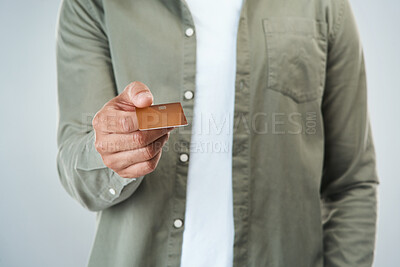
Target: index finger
column 116, row 121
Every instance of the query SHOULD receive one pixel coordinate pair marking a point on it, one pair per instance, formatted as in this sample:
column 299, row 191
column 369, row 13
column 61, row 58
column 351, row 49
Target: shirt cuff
column 119, row 186
column 111, row 187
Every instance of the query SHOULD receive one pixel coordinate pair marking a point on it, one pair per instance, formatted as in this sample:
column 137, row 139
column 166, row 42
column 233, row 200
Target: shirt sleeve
column 349, row 182
column 85, row 84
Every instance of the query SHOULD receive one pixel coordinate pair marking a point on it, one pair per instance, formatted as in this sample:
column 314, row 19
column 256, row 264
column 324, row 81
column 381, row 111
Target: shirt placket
column 241, row 140
column 241, row 144
column 182, row 146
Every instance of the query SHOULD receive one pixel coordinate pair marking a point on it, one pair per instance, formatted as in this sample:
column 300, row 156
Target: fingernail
column 143, row 95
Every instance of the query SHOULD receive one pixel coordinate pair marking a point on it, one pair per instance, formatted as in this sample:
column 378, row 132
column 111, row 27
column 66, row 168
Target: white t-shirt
column 209, row 229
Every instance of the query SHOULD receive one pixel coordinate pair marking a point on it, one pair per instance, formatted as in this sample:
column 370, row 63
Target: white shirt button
column 188, row 95
column 189, row 32
column 184, row 157
column 178, row 223
column 112, row 191
column 241, row 84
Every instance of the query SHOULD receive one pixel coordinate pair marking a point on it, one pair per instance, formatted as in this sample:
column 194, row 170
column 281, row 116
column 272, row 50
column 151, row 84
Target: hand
column 124, row 149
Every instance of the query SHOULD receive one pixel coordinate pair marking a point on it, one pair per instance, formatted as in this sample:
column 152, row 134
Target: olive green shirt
column 304, row 178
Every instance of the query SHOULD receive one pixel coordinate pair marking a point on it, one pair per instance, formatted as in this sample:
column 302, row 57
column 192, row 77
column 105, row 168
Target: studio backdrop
column 40, row 225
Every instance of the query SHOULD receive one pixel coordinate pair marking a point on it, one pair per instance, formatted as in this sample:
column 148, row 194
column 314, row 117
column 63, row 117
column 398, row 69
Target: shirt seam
column 338, row 25
column 95, row 18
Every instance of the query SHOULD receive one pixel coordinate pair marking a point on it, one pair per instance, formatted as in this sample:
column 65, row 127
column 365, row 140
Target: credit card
column 161, row 116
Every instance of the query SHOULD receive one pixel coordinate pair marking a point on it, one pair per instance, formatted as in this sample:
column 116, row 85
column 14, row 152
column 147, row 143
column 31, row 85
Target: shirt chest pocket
column 296, row 51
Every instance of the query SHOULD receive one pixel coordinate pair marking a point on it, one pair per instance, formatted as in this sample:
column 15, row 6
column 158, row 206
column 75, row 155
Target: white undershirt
column 209, row 229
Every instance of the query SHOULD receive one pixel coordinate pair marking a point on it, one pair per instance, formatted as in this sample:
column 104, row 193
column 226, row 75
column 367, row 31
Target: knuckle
column 96, row 120
column 104, row 147
column 109, row 107
column 99, row 119
column 136, row 84
column 98, row 146
column 122, row 123
column 131, row 86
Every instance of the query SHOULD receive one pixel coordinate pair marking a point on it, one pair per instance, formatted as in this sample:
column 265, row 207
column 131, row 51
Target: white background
column 40, row 225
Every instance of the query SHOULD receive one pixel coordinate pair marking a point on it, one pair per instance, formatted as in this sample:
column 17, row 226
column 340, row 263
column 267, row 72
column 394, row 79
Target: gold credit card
column 161, row 116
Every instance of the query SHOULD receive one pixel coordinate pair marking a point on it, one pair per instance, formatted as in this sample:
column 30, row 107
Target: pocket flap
column 291, row 25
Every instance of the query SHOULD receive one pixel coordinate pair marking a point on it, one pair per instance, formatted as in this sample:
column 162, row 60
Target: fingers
column 118, row 115
column 136, row 94
column 113, row 143
column 115, row 121
column 123, row 148
column 140, row 169
column 122, row 160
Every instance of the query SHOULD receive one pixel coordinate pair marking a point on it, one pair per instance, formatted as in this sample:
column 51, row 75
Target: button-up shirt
column 303, row 162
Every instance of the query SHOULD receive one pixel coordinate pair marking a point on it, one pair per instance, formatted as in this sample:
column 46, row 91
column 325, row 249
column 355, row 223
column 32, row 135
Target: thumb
column 136, row 94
